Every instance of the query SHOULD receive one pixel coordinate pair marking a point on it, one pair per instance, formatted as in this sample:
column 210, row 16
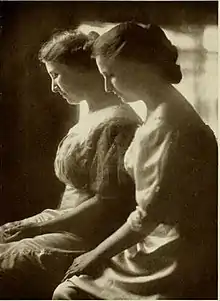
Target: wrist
column 96, row 253
column 38, row 229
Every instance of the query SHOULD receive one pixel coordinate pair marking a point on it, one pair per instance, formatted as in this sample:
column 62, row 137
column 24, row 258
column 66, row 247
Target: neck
column 155, row 95
column 100, row 100
column 96, row 97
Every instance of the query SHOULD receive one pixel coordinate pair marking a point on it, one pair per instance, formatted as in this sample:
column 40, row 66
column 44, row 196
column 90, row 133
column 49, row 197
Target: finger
column 6, row 234
column 12, row 231
column 67, row 273
column 9, row 231
column 71, row 272
column 9, row 239
column 14, row 228
column 13, row 237
column 67, row 276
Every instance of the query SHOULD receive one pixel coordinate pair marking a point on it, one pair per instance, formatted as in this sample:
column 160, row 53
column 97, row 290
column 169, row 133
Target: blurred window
column 198, row 58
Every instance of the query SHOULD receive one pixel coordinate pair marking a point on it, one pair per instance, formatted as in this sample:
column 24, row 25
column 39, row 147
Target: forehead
column 54, row 67
column 116, row 65
column 103, row 64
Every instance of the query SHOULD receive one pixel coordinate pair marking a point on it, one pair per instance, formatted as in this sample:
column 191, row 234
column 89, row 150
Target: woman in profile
column 36, row 252
column 167, row 248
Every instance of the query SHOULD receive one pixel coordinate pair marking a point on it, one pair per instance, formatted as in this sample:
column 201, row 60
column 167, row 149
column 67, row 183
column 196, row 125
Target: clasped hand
column 19, row 232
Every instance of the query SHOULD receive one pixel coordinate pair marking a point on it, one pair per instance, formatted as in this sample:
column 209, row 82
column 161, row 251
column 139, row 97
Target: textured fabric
column 89, row 161
column 68, row 291
column 173, row 161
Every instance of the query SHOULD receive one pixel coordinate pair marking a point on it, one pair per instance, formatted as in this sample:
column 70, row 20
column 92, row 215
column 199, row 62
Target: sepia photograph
column 109, row 150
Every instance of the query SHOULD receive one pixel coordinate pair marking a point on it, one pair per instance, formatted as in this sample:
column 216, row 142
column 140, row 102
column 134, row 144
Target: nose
column 108, row 85
column 54, row 87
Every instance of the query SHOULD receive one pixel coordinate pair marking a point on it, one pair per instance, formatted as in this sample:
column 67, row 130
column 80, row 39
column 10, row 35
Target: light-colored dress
column 89, row 161
column 173, row 161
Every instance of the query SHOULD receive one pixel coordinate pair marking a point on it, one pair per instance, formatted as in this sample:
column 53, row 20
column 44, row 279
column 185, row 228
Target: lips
column 119, row 95
column 63, row 94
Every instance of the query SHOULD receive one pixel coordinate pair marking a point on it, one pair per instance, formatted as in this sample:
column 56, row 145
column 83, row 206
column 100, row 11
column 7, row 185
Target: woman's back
column 187, row 198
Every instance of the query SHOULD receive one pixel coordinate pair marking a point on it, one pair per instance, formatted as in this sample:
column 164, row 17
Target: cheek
column 117, row 83
column 61, row 83
column 121, row 85
column 114, row 82
column 66, row 85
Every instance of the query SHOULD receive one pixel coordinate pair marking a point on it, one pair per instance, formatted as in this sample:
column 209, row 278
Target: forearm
column 76, row 219
column 122, row 239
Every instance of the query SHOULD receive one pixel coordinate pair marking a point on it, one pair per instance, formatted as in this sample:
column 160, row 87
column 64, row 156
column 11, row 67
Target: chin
column 121, row 97
column 72, row 101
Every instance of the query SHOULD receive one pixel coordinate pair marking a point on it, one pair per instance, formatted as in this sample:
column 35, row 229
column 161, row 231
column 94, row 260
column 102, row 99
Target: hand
column 84, row 264
column 22, row 231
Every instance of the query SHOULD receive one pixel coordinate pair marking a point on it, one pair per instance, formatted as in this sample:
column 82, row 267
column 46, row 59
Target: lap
column 68, row 291
column 41, row 250
column 44, row 259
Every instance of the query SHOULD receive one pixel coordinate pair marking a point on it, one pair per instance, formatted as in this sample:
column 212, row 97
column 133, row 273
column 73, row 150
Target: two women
column 167, row 248
column 36, row 252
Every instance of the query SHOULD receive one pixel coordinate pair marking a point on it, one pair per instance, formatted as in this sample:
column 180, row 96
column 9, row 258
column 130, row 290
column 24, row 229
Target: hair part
column 146, row 44
column 69, row 47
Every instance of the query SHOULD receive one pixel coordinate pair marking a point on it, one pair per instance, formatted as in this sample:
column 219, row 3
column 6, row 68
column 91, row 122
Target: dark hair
column 147, row 44
column 69, row 47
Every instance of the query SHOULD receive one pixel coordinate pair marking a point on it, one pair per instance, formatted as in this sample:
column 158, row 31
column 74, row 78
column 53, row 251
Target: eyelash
column 109, row 76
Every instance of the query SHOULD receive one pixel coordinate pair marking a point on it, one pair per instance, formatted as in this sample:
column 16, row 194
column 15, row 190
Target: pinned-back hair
column 147, row 44
column 69, row 47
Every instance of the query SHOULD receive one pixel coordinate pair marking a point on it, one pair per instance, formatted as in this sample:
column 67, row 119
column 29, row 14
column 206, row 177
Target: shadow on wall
column 34, row 119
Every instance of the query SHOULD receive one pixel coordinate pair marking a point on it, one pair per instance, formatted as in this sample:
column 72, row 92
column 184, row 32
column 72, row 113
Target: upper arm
column 109, row 174
column 110, row 182
column 151, row 161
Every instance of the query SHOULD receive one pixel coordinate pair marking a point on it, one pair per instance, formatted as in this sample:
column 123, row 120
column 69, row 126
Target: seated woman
column 99, row 194
column 167, row 248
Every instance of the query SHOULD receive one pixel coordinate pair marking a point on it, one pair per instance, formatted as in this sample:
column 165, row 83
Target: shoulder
column 162, row 116
column 118, row 129
column 123, row 119
column 126, row 114
column 156, row 127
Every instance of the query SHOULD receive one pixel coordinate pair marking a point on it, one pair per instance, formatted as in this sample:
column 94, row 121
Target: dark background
column 33, row 120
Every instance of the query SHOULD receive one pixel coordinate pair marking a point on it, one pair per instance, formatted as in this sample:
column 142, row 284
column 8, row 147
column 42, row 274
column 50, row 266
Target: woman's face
column 119, row 77
column 67, row 81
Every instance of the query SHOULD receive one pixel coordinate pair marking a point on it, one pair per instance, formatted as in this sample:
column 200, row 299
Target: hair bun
column 166, row 54
column 171, row 72
column 93, row 35
column 145, row 43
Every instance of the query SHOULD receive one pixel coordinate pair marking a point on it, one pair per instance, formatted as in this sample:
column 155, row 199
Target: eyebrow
column 105, row 73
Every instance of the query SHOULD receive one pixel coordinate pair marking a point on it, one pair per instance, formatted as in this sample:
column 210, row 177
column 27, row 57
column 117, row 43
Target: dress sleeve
column 153, row 149
column 110, row 181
